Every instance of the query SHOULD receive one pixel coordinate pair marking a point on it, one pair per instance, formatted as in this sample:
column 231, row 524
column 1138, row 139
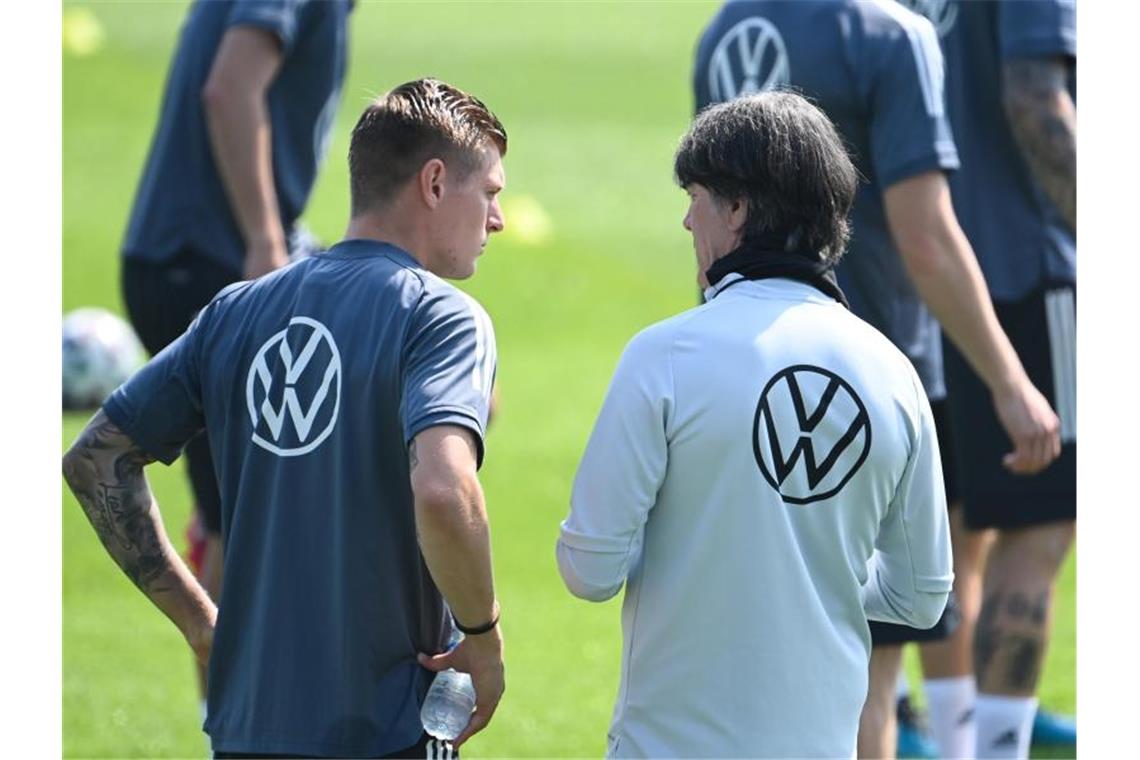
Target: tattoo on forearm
column 105, row 471
column 1043, row 119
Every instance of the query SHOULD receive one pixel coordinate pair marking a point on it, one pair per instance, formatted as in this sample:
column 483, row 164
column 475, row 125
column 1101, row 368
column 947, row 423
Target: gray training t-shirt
column 181, row 202
column 1020, row 238
column 875, row 69
column 310, row 382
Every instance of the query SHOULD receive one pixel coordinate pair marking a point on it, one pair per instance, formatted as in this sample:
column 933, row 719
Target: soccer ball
column 100, row 351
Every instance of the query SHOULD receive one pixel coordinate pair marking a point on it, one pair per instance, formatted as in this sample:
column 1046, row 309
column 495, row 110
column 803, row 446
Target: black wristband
column 476, row 630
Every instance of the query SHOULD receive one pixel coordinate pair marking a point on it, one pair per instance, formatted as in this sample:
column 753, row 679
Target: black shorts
column 886, row 634
column 162, row 299
column 1042, row 328
column 426, row 748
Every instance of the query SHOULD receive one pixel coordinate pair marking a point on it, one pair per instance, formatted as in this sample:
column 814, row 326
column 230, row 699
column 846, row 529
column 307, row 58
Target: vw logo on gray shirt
column 749, row 58
column 294, row 398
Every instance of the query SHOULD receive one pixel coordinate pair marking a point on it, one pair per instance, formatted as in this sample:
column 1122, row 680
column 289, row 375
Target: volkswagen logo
column 293, row 389
column 941, row 13
column 749, row 58
column 811, row 433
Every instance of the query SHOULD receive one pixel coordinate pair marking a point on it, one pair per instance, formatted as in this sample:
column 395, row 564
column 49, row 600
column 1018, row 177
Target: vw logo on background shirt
column 293, row 389
column 749, row 58
column 811, row 433
column 942, row 13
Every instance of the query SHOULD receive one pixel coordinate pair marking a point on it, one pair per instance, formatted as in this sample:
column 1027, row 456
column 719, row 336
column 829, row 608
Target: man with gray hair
column 764, row 471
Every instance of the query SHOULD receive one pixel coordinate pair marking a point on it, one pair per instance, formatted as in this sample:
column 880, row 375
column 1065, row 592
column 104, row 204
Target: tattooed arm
column 1043, row 118
column 104, row 469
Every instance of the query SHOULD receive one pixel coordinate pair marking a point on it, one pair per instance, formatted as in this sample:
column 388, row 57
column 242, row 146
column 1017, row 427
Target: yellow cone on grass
column 82, row 33
column 526, row 220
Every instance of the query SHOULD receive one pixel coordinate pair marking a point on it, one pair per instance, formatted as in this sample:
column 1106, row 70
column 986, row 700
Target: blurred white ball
column 100, row 351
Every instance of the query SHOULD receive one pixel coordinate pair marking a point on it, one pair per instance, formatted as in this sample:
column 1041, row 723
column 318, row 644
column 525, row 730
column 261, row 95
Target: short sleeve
column 279, row 17
column 910, row 133
column 450, row 365
column 160, row 406
column 1031, row 28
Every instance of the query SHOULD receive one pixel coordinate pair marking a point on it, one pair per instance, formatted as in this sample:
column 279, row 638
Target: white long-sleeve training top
column 764, row 476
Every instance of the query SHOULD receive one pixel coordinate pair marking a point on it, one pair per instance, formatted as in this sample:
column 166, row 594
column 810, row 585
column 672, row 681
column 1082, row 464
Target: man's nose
column 495, row 221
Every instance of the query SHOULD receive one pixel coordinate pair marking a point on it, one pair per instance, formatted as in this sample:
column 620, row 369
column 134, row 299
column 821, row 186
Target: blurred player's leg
column 877, row 726
column 1013, row 633
column 1034, row 515
column 948, row 665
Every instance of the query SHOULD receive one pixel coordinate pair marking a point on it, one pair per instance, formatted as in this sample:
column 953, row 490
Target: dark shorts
column 162, row 299
column 886, row 634
column 1042, row 328
column 426, row 748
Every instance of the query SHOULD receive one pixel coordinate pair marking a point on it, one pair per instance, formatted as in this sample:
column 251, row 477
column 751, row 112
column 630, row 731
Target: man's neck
column 387, row 228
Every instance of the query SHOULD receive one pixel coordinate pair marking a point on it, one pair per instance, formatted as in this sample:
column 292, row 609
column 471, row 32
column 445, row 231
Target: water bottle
column 449, row 702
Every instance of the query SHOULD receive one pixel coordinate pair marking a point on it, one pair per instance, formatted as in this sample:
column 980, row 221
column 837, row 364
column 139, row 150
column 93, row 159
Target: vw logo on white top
column 305, row 391
column 749, row 58
column 811, row 433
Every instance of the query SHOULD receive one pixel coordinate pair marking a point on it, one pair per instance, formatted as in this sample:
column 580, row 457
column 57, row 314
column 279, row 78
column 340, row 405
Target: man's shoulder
column 437, row 289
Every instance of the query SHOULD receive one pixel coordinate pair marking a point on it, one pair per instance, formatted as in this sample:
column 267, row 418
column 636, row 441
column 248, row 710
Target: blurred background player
column 876, row 70
column 246, row 117
column 1011, row 90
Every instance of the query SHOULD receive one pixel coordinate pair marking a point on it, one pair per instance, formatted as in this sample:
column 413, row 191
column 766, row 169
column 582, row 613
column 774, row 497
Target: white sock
column 902, row 686
column 950, row 706
column 202, row 707
column 1004, row 725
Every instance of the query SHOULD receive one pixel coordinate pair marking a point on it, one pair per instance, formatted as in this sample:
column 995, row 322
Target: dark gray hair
column 784, row 157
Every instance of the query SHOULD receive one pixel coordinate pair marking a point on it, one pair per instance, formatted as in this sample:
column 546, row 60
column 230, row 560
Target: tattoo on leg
column 1025, row 662
column 1018, row 605
column 1041, row 609
column 986, row 635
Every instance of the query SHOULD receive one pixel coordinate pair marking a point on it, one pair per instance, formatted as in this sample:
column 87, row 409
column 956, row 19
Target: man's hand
column 482, row 657
column 1032, row 426
column 263, row 258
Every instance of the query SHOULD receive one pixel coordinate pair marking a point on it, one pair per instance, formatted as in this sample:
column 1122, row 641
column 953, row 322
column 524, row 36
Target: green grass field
column 594, row 96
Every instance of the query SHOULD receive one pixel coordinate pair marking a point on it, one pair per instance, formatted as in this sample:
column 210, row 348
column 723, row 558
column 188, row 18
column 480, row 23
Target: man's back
column 311, row 381
column 791, row 432
column 867, row 66
column 1021, row 239
column 182, row 201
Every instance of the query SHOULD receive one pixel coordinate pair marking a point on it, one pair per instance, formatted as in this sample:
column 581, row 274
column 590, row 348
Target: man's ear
column 738, row 214
column 431, row 180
